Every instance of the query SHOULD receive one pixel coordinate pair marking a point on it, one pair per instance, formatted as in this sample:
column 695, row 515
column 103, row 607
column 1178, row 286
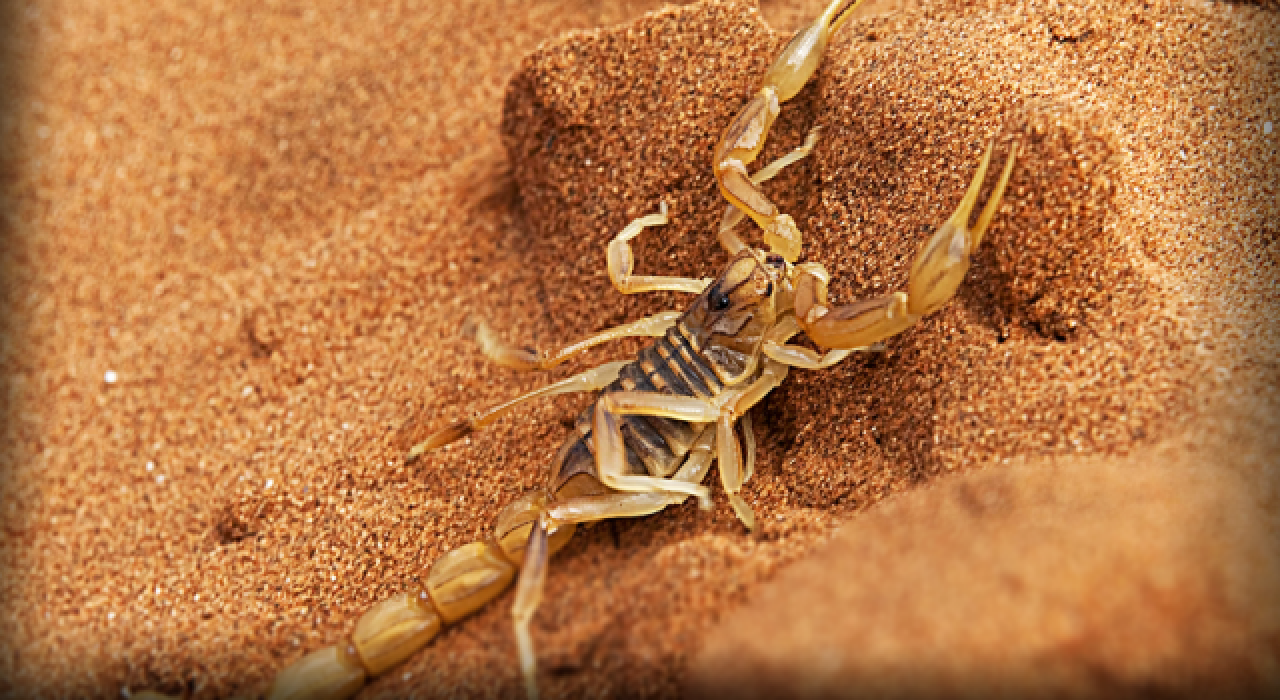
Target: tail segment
column 459, row 583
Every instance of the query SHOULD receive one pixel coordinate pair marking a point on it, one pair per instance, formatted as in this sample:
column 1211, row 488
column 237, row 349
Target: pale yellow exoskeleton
column 660, row 420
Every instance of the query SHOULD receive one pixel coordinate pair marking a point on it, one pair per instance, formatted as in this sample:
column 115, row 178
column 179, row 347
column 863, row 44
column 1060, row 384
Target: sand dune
column 241, row 238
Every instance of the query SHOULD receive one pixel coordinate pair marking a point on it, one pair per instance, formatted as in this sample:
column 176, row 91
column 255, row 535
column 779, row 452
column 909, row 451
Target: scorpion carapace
column 659, row 421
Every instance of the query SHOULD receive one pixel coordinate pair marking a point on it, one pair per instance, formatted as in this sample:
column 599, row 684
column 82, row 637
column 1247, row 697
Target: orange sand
column 266, row 221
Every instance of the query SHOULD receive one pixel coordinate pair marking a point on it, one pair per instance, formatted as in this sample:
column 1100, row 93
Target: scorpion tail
column 458, row 584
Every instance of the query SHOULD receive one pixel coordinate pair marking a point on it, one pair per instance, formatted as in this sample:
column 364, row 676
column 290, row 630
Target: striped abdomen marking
column 655, row 446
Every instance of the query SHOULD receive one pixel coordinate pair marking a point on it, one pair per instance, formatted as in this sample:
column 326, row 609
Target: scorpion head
column 736, row 309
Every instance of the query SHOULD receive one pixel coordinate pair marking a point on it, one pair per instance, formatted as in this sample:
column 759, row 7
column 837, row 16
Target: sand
column 240, row 239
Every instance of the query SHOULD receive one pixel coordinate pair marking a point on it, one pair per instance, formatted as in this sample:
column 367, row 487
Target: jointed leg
column 611, row 452
column 748, row 447
column 565, row 514
column 745, row 136
column 587, row 509
column 633, row 505
column 733, row 215
column 591, row 380
column 776, row 349
column 621, row 262
column 533, row 577
column 611, row 460
column 561, row 518
column 729, row 455
column 698, row 463
column 516, row 358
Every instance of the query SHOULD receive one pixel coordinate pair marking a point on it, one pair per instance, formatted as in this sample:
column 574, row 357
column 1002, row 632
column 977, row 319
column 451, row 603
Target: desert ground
column 241, row 238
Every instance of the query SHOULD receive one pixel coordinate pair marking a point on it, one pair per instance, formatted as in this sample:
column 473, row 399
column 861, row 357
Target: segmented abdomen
column 655, row 446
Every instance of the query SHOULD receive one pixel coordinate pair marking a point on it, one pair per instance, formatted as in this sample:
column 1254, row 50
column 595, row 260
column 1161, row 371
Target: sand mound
column 244, row 238
column 1055, row 344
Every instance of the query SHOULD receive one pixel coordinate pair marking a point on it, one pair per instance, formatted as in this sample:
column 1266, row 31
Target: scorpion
column 659, row 421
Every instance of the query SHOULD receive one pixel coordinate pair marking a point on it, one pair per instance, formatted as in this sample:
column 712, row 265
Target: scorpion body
column 655, row 445
column 659, row 421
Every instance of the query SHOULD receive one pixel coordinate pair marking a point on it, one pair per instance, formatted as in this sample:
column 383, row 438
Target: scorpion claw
column 944, row 258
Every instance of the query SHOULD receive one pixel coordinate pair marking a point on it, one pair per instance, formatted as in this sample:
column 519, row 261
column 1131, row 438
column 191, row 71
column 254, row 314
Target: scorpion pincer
column 660, row 420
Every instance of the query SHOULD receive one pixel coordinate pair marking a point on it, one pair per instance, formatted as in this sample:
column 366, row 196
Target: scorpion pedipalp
column 944, row 258
column 733, row 215
column 935, row 276
column 746, row 134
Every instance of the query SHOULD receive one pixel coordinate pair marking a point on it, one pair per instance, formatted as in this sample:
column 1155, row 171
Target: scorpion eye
column 775, row 260
column 719, row 301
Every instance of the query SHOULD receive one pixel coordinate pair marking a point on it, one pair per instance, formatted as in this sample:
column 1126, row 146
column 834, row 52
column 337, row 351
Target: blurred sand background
column 240, row 237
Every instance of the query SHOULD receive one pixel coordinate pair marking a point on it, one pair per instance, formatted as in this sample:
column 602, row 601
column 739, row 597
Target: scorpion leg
column 591, row 380
column 533, row 578
column 775, row 348
column 621, row 262
column 935, row 276
column 729, row 453
column 611, row 459
column 584, row 509
column 745, row 136
column 611, row 452
column 733, row 215
column 748, row 447
column 532, row 551
column 505, row 355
